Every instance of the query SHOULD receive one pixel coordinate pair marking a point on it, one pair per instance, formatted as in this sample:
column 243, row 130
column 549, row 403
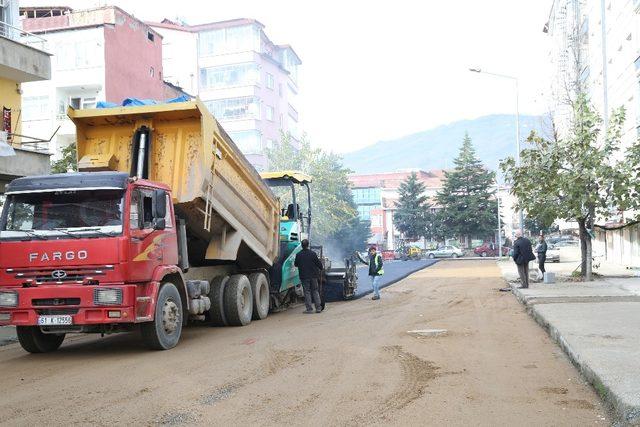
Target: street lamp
column 515, row 79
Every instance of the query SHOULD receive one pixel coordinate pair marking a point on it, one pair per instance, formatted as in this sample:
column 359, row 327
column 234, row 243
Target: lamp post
column 499, row 220
column 515, row 79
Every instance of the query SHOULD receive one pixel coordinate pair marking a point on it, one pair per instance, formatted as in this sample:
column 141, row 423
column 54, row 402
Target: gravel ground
column 359, row 362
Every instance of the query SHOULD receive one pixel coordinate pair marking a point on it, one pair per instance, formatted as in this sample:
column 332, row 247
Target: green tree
column 68, row 162
column 335, row 220
column 411, row 216
column 580, row 177
column 469, row 206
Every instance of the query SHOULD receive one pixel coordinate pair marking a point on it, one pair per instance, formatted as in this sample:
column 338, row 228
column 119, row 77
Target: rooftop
column 392, row 180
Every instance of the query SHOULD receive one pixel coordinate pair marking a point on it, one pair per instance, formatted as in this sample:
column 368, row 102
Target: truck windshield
column 63, row 213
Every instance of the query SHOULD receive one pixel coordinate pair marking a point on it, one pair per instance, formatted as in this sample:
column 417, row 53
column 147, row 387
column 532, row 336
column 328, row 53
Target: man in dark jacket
column 522, row 254
column 541, row 250
column 309, row 268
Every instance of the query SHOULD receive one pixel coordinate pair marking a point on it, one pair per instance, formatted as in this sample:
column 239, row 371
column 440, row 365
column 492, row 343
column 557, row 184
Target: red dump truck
column 165, row 222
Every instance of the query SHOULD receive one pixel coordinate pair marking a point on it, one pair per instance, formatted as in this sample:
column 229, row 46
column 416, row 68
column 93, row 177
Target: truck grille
column 55, row 301
column 57, row 311
column 58, row 275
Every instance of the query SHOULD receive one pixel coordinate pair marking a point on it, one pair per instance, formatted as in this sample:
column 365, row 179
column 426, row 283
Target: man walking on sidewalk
column 522, row 254
column 309, row 268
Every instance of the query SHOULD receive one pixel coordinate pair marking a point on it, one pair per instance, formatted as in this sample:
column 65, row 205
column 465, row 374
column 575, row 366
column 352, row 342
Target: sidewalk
column 597, row 325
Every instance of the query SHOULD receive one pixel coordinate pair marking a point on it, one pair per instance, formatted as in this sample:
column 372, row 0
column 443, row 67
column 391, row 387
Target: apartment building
column 22, row 60
column 376, row 196
column 596, row 45
column 101, row 54
column 248, row 82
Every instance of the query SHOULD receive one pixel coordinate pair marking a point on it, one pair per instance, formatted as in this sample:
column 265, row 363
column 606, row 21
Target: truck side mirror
column 159, row 204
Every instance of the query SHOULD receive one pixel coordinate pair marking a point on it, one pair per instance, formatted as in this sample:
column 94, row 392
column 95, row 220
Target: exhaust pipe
column 142, row 146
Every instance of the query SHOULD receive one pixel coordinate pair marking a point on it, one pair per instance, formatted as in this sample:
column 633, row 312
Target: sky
column 377, row 70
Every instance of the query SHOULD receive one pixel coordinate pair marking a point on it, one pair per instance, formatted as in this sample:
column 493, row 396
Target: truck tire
column 238, row 300
column 33, row 340
column 260, row 291
column 165, row 330
column 216, row 295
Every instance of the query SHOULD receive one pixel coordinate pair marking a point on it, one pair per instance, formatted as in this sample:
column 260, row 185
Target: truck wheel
column 260, row 291
column 164, row 332
column 238, row 300
column 216, row 295
column 34, row 341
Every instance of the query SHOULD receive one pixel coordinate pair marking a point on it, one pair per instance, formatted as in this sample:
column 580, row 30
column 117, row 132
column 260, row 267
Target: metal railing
column 19, row 35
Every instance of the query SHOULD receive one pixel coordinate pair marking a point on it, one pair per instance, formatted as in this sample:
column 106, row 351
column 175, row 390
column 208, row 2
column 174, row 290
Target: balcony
column 22, row 55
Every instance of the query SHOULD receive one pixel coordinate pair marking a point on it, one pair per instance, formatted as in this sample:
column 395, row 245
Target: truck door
column 145, row 244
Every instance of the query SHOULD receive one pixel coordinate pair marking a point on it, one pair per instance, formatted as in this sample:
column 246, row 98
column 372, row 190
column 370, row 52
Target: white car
column 445, row 252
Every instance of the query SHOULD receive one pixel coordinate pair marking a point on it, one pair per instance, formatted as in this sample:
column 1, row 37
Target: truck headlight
column 107, row 296
column 8, row 299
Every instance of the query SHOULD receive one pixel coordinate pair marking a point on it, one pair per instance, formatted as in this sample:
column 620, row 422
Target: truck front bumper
column 79, row 302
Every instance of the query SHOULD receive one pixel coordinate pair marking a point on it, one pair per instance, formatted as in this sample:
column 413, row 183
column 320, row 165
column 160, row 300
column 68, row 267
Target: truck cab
column 75, row 249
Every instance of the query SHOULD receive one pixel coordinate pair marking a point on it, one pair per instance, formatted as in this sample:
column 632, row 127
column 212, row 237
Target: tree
column 68, row 162
column 335, row 220
column 580, row 177
column 411, row 216
column 469, row 206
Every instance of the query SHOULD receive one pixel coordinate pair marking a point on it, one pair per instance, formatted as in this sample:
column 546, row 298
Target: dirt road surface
column 354, row 364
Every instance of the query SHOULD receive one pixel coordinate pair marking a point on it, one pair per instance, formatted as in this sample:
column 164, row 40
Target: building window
column 270, row 82
column 246, row 107
column 229, row 40
column 366, row 196
column 364, row 211
column 229, row 76
column 269, row 114
column 248, row 141
column 85, row 54
column 79, row 103
column 150, row 36
column 35, row 108
column 152, row 72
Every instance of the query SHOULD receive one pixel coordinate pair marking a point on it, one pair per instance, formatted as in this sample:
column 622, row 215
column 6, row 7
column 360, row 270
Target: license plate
column 54, row 320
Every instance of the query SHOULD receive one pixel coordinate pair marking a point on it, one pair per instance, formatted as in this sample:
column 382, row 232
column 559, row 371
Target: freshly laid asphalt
column 394, row 271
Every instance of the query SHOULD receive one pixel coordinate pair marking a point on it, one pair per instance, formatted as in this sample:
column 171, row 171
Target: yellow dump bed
column 231, row 214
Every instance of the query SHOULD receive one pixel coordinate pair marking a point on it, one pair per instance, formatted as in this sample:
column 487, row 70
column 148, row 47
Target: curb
column 627, row 414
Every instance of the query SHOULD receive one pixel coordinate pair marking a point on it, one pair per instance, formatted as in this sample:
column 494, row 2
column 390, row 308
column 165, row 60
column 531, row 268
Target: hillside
column 493, row 137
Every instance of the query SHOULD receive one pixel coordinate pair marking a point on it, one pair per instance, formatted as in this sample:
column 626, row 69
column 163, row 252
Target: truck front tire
column 33, row 340
column 165, row 330
column 216, row 295
column 238, row 300
column 260, row 291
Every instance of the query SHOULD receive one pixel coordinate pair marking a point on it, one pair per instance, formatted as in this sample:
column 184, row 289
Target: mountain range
column 493, row 137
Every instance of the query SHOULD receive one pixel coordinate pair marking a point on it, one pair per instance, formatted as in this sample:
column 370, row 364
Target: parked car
column 447, row 251
column 388, row 255
column 553, row 253
column 490, row 249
